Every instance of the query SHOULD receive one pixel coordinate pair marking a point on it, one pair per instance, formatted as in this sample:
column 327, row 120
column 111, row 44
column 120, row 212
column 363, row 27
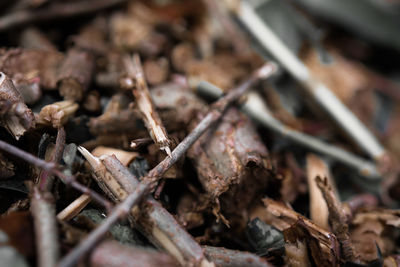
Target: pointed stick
column 136, row 81
column 74, row 208
column 53, row 168
column 44, row 217
column 150, row 180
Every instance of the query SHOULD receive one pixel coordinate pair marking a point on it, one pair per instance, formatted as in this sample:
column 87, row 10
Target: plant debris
column 199, row 133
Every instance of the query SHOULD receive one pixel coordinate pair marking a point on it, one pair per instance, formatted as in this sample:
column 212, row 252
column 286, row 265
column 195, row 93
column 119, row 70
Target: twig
column 150, row 180
column 321, row 94
column 318, row 208
column 226, row 257
column 46, row 180
column 44, row 217
column 55, row 11
column 165, row 231
column 74, row 208
column 337, row 220
column 256, row 109
column 136, row 81
column 52, row 168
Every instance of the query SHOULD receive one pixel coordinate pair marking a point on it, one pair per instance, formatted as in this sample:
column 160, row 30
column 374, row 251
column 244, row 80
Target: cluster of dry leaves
column 100, row 95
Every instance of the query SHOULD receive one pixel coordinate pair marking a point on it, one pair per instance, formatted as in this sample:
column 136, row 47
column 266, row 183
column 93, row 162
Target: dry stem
column 318, row 209
column 337, row 219
column 229, row 258
column 136, row 81
column 44, row 217
column 74, row 208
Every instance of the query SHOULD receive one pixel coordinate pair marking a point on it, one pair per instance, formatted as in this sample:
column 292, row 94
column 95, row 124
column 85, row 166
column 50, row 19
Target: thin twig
column 319, row 212
column 136, row 81
column 337, row 220
column 150, row 180
column 44, row 217
column 46, row 180
column 74, row 208
column 55, row 11
column 52, row 168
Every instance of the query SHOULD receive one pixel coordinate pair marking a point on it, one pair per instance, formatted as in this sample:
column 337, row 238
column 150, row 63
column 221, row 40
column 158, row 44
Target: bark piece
column 326, row 247
column 58, row 113
column 223, row 257
column 116, row 119
column 92, row 37
column 372, row 227
column 113, row 254
column 32, row 63
column 178, row 105
column 75, row 74
column 17, row 118
column 232, row 163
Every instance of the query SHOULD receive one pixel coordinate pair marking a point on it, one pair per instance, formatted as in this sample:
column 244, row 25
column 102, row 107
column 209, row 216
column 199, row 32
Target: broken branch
column 137, row 83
